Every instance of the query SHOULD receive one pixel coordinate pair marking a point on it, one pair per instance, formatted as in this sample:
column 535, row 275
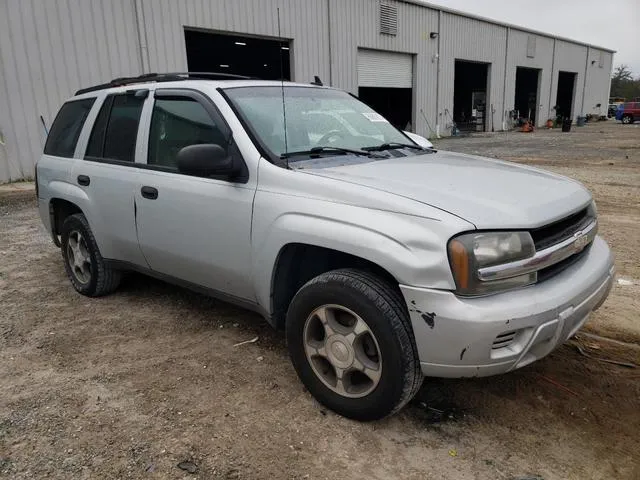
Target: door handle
column 149, row 192
column 84, row 180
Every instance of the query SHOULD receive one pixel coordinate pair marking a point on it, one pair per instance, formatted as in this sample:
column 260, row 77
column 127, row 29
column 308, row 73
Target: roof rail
column 162, row 77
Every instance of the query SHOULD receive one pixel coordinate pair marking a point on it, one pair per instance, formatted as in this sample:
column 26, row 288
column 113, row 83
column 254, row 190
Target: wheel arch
column 297, row 263
column 59, row 210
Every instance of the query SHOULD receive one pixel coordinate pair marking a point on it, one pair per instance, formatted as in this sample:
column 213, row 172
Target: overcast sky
column 613, row 24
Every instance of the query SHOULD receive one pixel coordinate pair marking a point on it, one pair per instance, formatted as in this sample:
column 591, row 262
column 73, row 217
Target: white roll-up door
column 384, row 69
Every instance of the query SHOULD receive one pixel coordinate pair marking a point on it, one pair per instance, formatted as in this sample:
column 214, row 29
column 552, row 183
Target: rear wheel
column 351, row 343
column 88, row 272
column 626, row 119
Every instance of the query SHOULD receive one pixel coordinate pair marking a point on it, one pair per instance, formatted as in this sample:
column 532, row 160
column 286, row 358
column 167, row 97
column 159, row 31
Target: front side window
column 315, row 117
column 177, row 123
column 116, row 128
column 66, row 128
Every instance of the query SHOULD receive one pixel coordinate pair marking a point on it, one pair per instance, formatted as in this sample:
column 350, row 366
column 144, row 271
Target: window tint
column 178, row 123
column 116, row 128
column 96, row 140
column 66, row 128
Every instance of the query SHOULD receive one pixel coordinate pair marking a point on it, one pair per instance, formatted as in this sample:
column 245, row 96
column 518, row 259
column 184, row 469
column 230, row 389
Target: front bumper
column 471, row 337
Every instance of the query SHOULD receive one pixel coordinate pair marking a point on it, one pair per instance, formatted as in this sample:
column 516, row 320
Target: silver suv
column 383, row 261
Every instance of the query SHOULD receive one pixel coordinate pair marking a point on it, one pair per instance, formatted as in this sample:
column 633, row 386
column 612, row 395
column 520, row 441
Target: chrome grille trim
column 544, row 258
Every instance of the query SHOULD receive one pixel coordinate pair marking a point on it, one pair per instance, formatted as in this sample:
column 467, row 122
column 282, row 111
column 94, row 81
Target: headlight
column 471, row 251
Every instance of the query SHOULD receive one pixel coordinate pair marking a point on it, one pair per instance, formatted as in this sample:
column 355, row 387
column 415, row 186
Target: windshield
column 316, row 117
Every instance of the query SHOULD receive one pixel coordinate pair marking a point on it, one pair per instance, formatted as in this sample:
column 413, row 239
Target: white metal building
column 423, row 66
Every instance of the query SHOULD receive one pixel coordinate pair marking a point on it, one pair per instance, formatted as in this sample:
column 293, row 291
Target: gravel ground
column 131, row 385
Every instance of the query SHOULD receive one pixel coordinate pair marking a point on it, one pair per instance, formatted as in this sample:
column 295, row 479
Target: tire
column 363, row 296
column 92, row 277
column 627, row 119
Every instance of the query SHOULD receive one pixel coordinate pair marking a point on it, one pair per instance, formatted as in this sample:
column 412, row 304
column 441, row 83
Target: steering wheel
column 327, row 137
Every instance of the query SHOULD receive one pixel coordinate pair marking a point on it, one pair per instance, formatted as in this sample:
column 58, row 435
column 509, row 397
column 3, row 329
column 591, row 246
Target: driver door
column 196, row 229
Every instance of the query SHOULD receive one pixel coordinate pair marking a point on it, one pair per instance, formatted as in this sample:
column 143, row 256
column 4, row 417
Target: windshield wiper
column 319, row 150
column 392, row 146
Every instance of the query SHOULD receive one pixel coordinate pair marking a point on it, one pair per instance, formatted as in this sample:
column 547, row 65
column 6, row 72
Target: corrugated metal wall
column 470, row 39
column 598, row 82
column 304, row 21
column 569, row 57
column 49, row 49
column 517, row 57
column 355, row 23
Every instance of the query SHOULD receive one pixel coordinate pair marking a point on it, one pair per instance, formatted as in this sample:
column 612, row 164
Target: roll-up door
column 384, row 69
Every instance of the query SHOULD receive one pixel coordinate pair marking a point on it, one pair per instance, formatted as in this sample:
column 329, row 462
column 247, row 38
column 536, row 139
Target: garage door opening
column 565, row 96
column 394, row 104
column 470, row 95
column 527, row 85
column 238, row 55
column 385, row 83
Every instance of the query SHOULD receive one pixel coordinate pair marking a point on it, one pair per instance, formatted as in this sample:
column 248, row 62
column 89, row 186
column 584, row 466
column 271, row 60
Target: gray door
column 196, row 229
column 109, row 177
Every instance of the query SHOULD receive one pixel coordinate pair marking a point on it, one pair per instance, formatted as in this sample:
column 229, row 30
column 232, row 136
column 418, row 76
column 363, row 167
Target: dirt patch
column 131, row 385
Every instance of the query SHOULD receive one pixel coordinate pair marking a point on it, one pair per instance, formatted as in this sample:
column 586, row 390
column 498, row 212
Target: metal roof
column 502, row 24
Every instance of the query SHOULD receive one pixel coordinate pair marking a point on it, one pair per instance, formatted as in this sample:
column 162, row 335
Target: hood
column 488, row 193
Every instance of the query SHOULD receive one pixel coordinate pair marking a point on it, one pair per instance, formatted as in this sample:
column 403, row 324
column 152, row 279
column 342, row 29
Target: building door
column 470, row 95
column 258, row 57
column 566, row 93
column 385, row 83
column 526, row 99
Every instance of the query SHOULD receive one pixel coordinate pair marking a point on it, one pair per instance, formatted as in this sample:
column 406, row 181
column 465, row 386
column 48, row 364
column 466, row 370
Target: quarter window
column 66, row 128
column 178, row 123
column 116, row 128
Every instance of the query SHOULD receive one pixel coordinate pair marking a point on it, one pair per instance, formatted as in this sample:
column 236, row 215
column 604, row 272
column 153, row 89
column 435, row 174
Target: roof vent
column 388, row 19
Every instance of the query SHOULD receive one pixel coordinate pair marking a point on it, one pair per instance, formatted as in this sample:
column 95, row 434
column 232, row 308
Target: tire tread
column 391, row 304
column 108, row 279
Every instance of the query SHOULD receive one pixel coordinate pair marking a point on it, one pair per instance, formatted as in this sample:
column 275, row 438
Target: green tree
column 623, row 84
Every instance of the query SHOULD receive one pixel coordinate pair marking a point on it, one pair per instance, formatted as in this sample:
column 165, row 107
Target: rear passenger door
column 195, row 228
column 108, row 176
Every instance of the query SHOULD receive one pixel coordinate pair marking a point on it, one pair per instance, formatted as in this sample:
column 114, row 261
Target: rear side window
column 67, row 126
column 116, row 128
column 178, row 123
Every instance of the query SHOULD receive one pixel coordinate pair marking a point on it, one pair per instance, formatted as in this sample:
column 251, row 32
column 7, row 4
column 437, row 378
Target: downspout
column 329, row 33
column 142, row 36
column 504, row 85
column 553, row 66
column 584, row 83
column 438, row 78
column 605, row 102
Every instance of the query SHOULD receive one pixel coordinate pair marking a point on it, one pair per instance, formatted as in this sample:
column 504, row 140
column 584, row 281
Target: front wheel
column 351, row 343
column 626, row 119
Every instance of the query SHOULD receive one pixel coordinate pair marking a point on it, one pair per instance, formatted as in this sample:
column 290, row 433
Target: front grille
column 556, row 232
column 503, row 340
column 547, row 273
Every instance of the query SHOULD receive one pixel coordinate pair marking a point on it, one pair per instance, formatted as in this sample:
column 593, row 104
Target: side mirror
column 204, row 160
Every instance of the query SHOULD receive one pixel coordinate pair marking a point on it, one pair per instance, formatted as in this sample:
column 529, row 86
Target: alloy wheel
column 78, row 257
column 342, row 351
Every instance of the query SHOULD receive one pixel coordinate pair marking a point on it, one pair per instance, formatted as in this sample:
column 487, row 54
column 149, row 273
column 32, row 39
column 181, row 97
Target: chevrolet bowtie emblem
column 581, row 241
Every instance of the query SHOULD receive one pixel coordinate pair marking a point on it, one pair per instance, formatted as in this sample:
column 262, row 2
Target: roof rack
column 163, row 77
